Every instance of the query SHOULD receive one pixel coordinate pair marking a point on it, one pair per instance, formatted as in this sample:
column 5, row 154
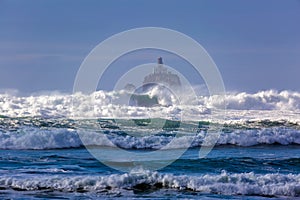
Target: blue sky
column 255, row 44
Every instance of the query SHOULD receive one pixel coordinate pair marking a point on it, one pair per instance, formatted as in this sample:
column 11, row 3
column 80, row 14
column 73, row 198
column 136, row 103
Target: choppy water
column 45, row 158
column 256, row 156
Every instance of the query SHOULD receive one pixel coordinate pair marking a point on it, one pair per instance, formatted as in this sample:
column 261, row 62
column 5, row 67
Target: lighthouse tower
column 159, row 60
column 160, row 69
column 161, row 75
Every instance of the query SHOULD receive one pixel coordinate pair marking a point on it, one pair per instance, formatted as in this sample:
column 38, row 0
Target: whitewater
column 46, row 142
column 114, row 104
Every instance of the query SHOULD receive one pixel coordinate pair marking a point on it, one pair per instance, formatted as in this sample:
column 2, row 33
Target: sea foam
column 114, row 104
column 224, row 183
column 41, row 138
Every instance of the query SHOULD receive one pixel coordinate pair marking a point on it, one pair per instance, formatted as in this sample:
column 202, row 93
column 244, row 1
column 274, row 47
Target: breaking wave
column 224, row 183
column 267, row 117
column 54, row 138
column 115, row 104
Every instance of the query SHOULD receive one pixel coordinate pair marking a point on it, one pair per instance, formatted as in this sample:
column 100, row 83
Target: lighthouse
column 159, row 60
column 160, row 69
column 161, row 75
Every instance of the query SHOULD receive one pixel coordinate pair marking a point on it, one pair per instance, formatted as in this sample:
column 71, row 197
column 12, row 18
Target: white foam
column 224, row 183
column 263, row 100
column 37, row 138
column 269, row 104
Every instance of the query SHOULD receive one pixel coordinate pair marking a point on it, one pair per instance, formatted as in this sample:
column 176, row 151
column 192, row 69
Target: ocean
column 116, row 151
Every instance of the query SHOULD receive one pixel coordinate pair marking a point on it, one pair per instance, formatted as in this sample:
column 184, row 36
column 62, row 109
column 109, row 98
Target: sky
column 255, row 44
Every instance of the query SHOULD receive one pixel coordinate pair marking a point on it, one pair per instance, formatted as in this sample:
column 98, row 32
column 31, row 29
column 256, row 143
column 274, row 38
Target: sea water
column 45, row 153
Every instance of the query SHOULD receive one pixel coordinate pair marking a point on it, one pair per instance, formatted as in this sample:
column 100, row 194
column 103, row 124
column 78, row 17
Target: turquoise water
column 45, row 159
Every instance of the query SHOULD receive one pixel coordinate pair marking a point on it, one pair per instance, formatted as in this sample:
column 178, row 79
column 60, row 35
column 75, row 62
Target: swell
column 9, row 124
column 56, row 165
column 236, row 165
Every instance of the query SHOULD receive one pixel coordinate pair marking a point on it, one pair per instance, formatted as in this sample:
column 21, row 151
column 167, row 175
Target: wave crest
column 115, row 104
column 224, row 183
column 36, row 138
